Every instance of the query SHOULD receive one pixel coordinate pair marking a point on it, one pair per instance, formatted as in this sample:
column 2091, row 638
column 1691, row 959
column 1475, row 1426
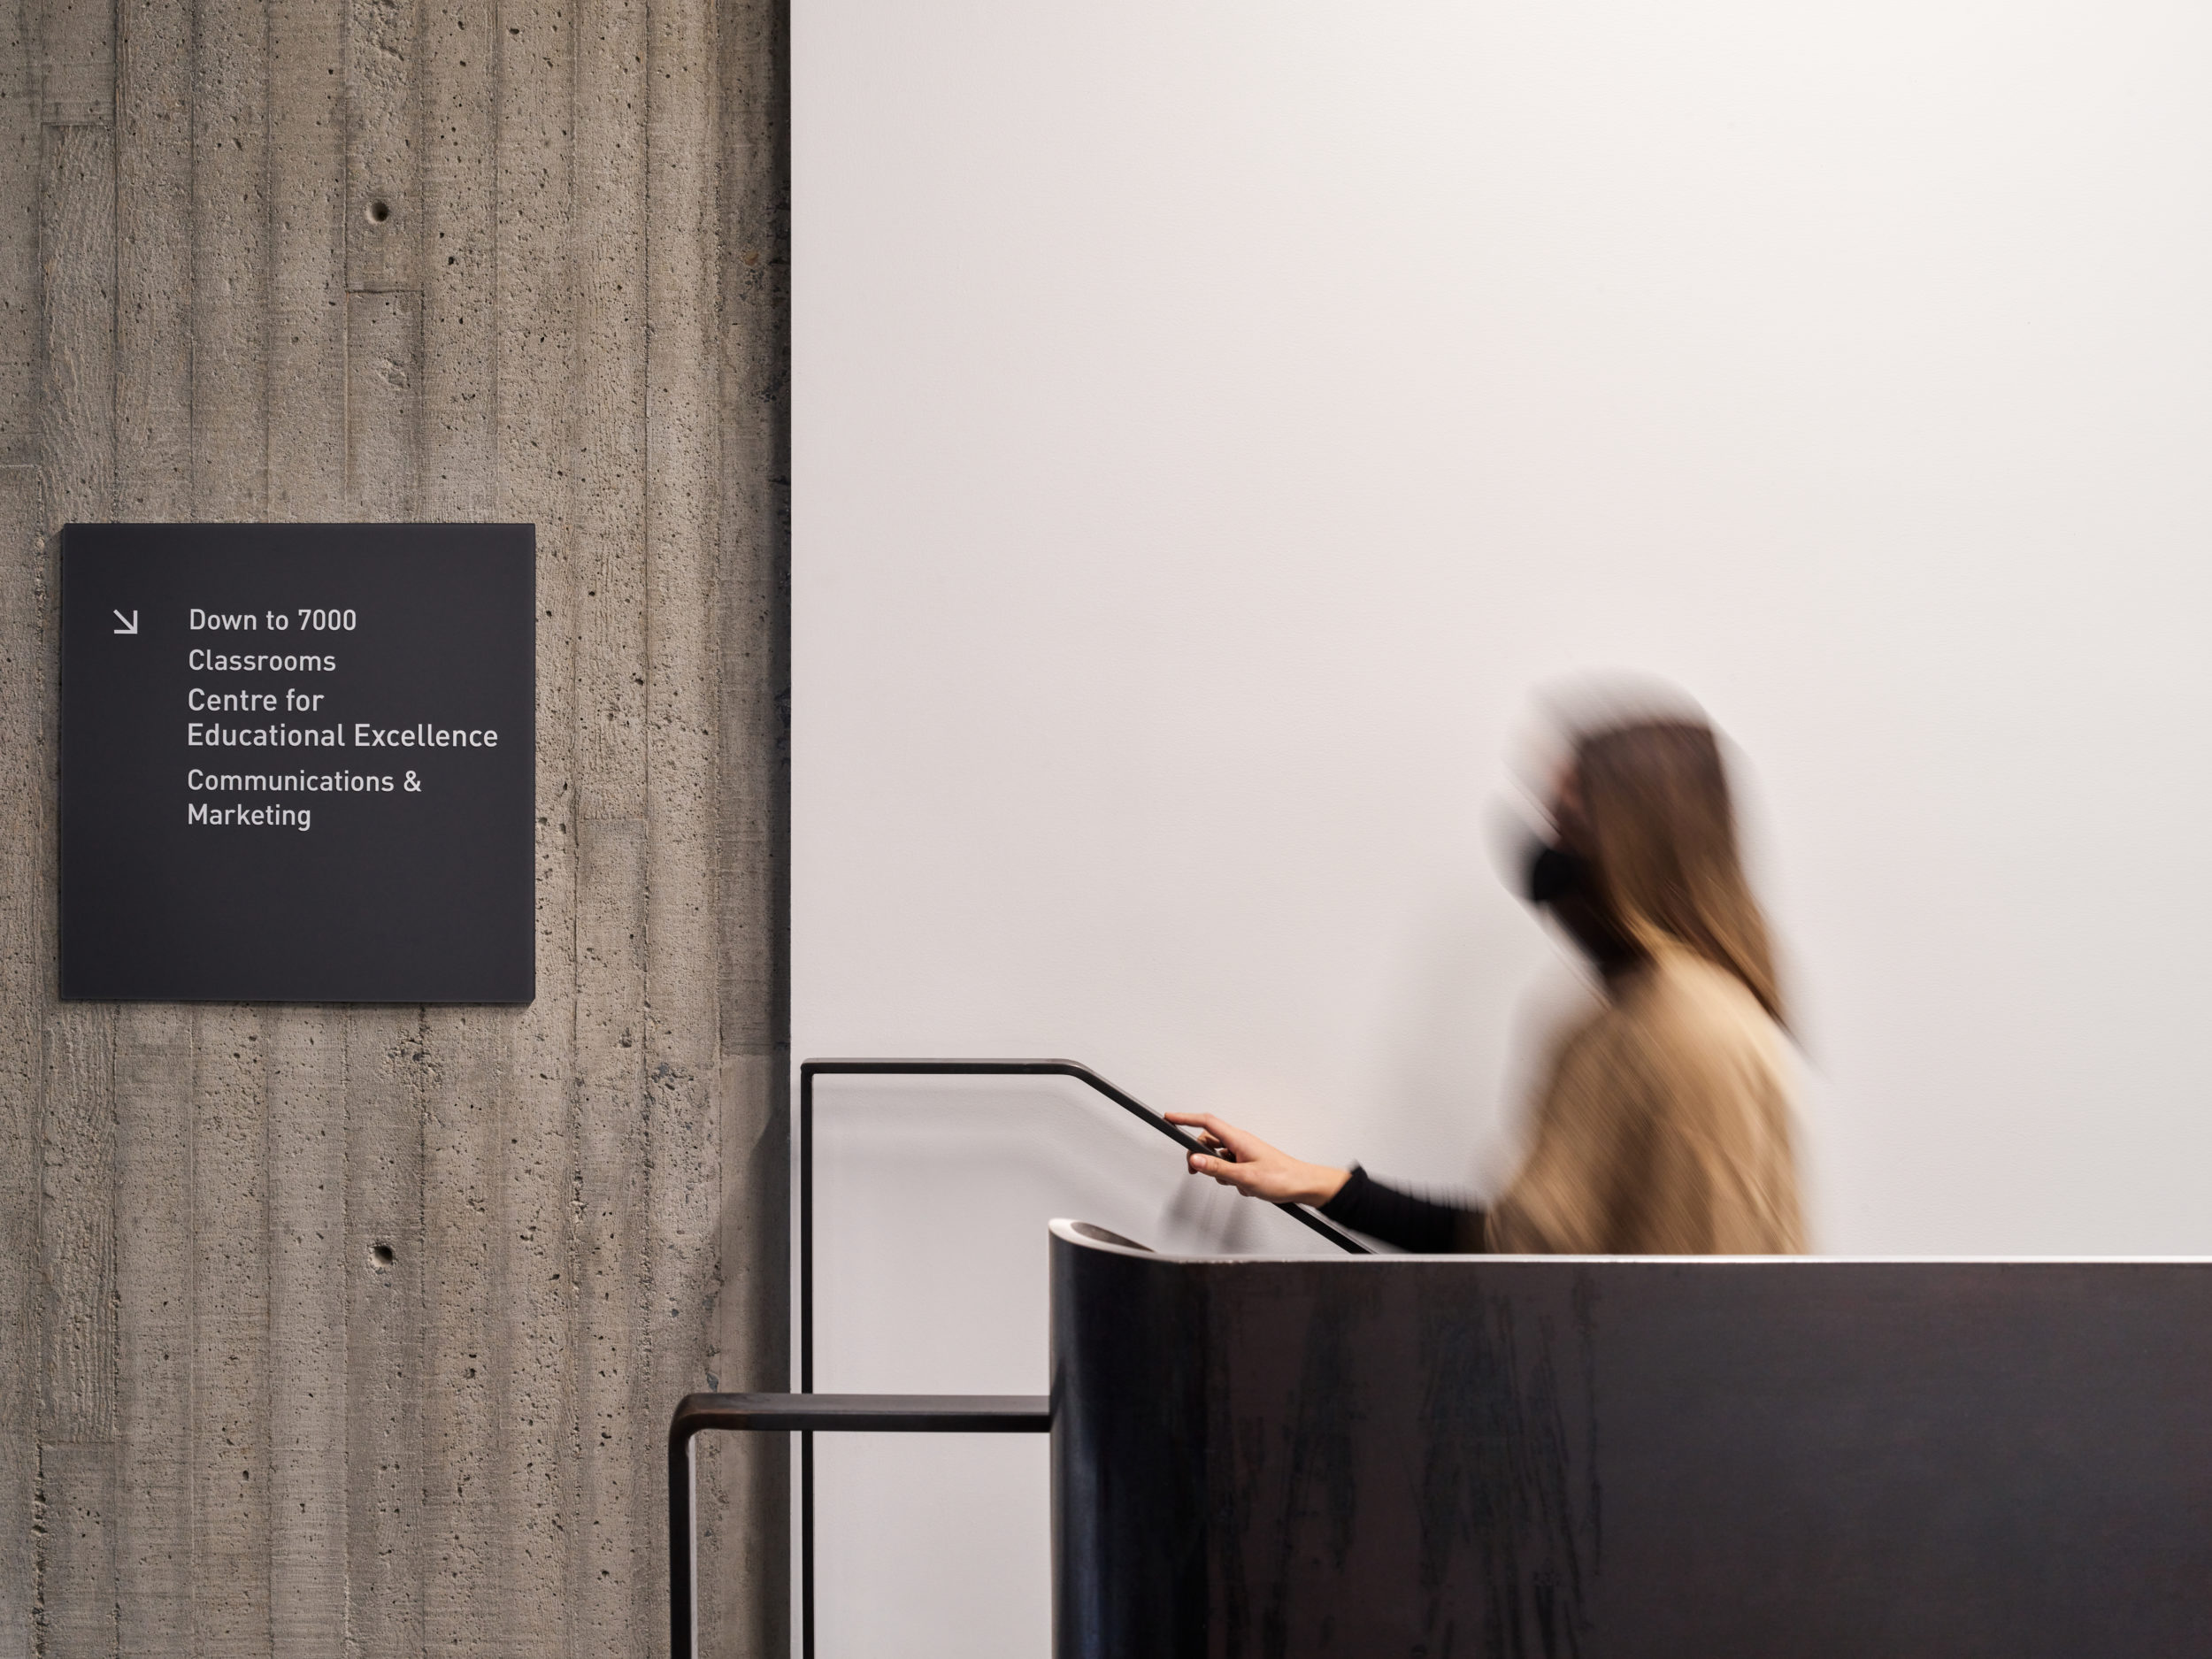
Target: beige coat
column 1664, row 1131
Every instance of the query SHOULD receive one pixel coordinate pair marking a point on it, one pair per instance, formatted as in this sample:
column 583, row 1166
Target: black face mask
column 1561, row 881
column 1554, row 872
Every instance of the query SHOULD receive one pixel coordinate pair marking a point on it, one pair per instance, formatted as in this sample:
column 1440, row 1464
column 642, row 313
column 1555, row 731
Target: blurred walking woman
column 1664, row 1128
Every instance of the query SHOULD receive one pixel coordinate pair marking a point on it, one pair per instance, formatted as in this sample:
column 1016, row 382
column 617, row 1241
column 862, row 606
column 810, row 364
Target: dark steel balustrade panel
column 1611, row 1460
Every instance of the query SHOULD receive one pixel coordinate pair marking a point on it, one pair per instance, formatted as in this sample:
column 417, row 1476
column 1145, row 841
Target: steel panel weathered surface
column 1610, row 1457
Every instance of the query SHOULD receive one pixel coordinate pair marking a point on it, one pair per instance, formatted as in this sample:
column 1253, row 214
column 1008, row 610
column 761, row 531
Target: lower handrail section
column 873, row 1414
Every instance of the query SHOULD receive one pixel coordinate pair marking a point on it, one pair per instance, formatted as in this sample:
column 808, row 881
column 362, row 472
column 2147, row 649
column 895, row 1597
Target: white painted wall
column 1213, row 418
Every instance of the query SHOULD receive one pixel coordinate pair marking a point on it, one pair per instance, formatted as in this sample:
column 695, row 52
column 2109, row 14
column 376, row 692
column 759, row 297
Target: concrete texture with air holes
column 354, row 1331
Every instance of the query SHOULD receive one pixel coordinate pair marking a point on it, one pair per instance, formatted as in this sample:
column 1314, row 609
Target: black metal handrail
column 807, row 1070
column 878, row 1414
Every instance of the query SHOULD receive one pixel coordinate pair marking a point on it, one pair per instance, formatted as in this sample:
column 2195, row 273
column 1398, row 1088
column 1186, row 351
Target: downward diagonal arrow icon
column 130, row 623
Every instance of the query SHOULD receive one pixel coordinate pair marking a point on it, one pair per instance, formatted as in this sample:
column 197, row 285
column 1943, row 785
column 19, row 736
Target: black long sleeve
column 1426, row 1226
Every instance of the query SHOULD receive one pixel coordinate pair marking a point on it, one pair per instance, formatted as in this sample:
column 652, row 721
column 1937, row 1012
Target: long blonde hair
column 1662, row 832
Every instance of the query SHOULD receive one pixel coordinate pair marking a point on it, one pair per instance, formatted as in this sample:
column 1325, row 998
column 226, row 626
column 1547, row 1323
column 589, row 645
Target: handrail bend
column 880, row 1414
column 1075, row 1069
column 808, row 1072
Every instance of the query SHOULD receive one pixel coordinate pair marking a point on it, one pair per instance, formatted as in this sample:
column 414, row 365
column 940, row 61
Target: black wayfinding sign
column 298, row 763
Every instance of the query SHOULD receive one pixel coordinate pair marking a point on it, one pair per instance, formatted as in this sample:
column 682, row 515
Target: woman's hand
column 1255, row 1169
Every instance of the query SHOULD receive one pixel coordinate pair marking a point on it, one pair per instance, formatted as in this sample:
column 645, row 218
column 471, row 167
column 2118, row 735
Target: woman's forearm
column 1426, row 1226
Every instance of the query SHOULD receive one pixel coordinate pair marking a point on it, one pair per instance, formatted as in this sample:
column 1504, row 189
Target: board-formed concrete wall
column 354, row 1331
